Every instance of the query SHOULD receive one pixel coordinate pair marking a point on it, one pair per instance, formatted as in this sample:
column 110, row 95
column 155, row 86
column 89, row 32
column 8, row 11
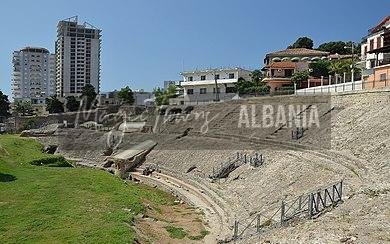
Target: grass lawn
column 64, row 204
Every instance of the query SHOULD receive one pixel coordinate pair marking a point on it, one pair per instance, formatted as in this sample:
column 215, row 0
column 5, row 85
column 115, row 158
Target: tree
column 53, row 105
column 300, row 76
column 303, row 42
column 340, row 66
column 246, row 87
column 339, row 47
column 4, row 105
column 257, row 76
column 24, row 108
column 72, row 104
column 127, row 95
column 319, row 68
column 162, row 96
column 88, row 94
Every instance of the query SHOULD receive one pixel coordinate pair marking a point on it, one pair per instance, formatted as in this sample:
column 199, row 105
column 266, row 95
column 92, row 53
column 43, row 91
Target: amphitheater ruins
column 256, row 185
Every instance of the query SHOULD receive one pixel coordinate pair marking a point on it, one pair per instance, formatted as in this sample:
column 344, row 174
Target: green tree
column 300, row 76
column 257, row 76
column 88, row 94
column 303, row 42
column 4, row 105
column 127, row 95
column 72, row 104
column 319, row 68
column 24, row 108
column 162, row 96
column 249, row 87
column 53, row 105
column 338, row 67
column 339, row 47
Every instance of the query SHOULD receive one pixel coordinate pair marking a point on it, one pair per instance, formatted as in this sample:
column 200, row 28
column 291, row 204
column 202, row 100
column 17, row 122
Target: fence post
column 235, row 234
column 300, row 203
column 258, row 223
column 311, row 212
column 282, row 213
column 341, row 189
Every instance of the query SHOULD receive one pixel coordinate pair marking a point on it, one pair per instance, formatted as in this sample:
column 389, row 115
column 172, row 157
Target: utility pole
column 353, row 63
column 216, row 88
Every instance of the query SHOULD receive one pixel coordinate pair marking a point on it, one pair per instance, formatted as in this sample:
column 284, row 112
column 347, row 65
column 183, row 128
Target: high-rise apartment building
column 33, row 75
column 77, row 57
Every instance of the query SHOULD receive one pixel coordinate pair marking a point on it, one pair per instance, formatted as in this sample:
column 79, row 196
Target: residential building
column 77, row 57
column 376, row 55
column 33, row 78
column 141, row 97
column 203, row 86
column 281, row 65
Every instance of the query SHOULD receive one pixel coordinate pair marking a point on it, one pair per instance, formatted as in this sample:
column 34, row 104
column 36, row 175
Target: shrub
column 58, row 161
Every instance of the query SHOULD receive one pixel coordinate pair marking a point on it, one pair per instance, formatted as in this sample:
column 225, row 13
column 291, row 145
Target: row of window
column 216, row 77
column 204, row 90
column 378, row 42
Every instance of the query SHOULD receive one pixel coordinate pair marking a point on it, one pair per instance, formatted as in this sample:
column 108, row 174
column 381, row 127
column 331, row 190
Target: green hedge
column 57, row 161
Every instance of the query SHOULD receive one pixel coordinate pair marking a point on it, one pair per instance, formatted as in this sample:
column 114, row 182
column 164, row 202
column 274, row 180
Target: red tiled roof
column 298, row 52
column 379, row 26
column 282, row 65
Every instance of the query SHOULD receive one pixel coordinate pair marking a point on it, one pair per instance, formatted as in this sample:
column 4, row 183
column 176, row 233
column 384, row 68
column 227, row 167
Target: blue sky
column 146, row 42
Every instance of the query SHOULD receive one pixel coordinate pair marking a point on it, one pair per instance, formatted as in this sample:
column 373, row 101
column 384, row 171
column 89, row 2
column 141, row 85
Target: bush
column 29, row 124
column 58, row 161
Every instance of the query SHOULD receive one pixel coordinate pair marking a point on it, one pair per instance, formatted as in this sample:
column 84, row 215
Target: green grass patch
column 201, row 236
column 176, row 232
column 67, row 204
column 54, row 161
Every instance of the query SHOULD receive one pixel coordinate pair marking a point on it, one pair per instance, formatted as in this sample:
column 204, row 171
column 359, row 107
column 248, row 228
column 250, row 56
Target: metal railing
column 310, row 205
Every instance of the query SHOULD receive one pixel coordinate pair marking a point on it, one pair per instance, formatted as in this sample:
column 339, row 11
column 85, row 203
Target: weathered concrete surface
column 130, row 158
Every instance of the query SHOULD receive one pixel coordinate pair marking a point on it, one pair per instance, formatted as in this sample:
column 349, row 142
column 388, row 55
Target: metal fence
column 226, row 168
column 309, row 205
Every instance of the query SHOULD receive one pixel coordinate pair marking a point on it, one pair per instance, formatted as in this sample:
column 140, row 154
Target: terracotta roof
column 298, row 52
column 282, row 65
column 380, row 25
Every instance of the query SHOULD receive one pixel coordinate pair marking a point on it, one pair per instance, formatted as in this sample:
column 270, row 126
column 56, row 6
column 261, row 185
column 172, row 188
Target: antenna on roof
column 89, row 25
column 72, row 19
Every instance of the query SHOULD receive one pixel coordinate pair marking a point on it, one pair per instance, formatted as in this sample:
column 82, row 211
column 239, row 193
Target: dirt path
column 217, row 220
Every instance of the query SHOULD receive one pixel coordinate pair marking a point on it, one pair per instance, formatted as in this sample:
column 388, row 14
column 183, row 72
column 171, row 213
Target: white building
column 374, row 41
column 33, row 75
column 77, row 57
column 111, row 98
column 200, row 86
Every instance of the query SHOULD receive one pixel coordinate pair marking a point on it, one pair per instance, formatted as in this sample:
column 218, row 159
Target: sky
column 145, row 42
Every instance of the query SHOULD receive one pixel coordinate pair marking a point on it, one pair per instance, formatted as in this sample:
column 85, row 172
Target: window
column 378, row 42
column 365, row 50
column 190, row 78
column 371, row 44
column 382, row 77
column 190, row 91
column 219, row 90
column 231, row 89
column 216, row 77
column 231, row 76
column 203, row 90
column 203, row 77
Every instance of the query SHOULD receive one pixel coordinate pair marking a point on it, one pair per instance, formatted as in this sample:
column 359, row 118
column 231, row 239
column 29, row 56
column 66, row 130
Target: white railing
column 334, row 88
